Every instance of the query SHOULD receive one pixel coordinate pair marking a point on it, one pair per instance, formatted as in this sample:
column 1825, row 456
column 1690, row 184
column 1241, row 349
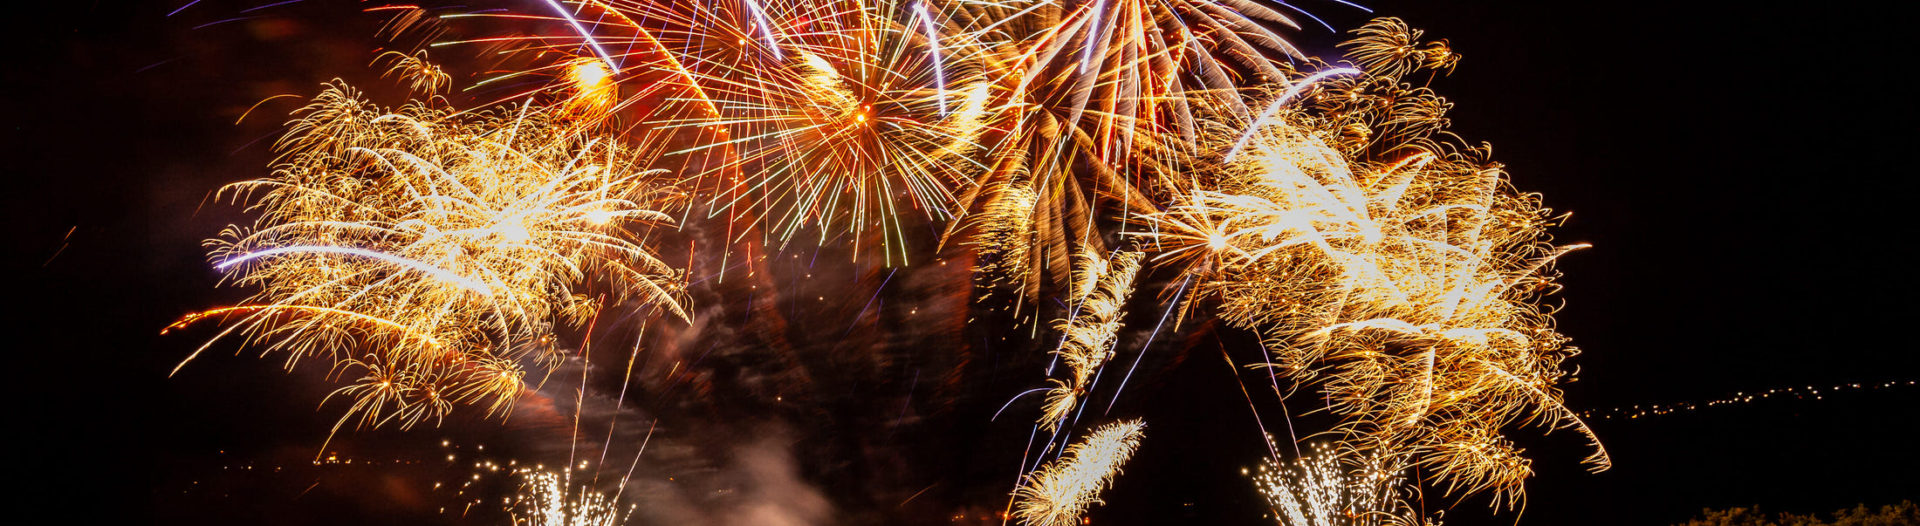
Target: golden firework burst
column 430, row 255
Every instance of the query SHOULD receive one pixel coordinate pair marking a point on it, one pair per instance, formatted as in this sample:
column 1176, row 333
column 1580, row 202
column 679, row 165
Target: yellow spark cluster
column 1389, row 48
column 1058, row 493
column 545, row 499
column 430, row 256
column 1001, row 243
column 420, row 74
column 1392, row 266
column 1323, row 489
column 593, row 90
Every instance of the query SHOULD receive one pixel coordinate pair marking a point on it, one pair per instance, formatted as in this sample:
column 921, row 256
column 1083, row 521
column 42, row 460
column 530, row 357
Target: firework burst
column 430, row 256
column 1106, row 107
column 824, row 117
column 1401, row 272
column 867, row 115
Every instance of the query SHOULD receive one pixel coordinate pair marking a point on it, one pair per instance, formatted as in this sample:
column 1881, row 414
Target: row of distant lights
column 480, row 466
column 1623, row 413
column 1810, row 392
column 332, row 458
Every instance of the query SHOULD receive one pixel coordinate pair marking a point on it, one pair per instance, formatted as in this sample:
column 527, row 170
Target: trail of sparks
column 1266, row 117
column 933, row 54
column 437, row 272
column 766, row 27
column 191, row 318
column 584, row 34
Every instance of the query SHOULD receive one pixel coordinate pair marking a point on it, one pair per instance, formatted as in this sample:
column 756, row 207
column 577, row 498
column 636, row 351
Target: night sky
column 1742, row 168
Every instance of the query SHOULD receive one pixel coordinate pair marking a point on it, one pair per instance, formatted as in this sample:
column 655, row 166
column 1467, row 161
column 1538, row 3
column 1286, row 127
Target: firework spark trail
column 933, row 53
column 584, row 34
column 766, row 27
column 197, row 316
column 1281, row 102
column 1321, row 490
column 1807, row 392
column 420, row 74
column 1171, row 305
column 1116, row 85
column 830, row 143
column 1090, row 333
column 1129, row 83
column 437, row 272
column 1060, row 492
column 619, row 403
column 182, row 8
column 191, row 318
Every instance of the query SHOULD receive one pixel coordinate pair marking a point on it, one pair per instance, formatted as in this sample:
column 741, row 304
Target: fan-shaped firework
column 429, row 255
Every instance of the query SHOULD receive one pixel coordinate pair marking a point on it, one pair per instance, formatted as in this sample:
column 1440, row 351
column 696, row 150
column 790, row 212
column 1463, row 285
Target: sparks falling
column 545, row 499
column 1320, row 489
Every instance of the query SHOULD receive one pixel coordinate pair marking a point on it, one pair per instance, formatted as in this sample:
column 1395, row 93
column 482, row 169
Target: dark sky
column 1742, row 169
